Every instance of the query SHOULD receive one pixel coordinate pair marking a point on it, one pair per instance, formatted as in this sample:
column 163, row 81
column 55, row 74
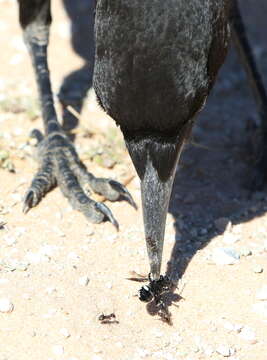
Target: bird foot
column 60, row 165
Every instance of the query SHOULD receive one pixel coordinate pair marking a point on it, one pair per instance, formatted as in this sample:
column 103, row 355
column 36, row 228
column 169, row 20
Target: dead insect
column 108, row 319
column 154, row 289
column 145, row 293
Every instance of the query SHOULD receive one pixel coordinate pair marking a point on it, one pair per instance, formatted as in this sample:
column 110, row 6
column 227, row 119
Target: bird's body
column 155, row 64
column 156, row 60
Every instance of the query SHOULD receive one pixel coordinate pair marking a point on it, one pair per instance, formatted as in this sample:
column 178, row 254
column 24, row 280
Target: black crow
column 155, row 64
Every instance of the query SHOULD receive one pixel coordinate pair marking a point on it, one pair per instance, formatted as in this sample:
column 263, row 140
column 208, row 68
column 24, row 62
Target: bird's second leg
column 59, row 163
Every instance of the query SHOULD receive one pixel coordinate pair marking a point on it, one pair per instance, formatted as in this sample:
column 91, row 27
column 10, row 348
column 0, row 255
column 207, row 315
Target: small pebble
column 245, row 252
column 58, row 350
column 262, row 294
column 225, row 256
column 84, row 280
column 64, row 332
column 50, row 290
column 247, row 334
column 6, row 305
column 257, row 269
column 225, row 350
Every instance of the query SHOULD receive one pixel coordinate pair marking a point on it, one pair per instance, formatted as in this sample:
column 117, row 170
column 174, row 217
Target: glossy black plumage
column 155, row 64
column 156, row 60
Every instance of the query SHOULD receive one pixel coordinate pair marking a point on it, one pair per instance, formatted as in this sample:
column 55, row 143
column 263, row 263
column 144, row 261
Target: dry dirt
column 48, row 256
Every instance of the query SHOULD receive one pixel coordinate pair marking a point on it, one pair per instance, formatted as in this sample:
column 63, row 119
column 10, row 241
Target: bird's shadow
column 216, row 172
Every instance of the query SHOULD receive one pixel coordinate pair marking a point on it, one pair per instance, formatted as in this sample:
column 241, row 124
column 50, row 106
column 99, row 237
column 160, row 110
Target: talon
column 28, row 201
column 105, row 210
column 123, row 191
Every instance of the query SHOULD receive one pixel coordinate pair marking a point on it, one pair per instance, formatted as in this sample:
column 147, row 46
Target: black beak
column 155, row 160
column 155, row 200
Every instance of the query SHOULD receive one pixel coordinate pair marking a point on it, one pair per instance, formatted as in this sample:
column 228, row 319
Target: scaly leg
column 58, row 161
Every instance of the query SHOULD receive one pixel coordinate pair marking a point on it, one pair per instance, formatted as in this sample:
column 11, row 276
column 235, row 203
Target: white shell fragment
column 6, row 305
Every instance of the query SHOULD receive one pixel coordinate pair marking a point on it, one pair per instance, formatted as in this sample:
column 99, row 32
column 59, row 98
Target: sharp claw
column 28, row 201
column 105, row 210
column 124, row 192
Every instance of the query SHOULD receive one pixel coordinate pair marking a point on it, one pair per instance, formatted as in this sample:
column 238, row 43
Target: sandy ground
column 60, row 273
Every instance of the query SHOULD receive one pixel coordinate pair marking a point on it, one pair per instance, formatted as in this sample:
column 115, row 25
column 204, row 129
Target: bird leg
column 59, row 163
column 257, row 86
